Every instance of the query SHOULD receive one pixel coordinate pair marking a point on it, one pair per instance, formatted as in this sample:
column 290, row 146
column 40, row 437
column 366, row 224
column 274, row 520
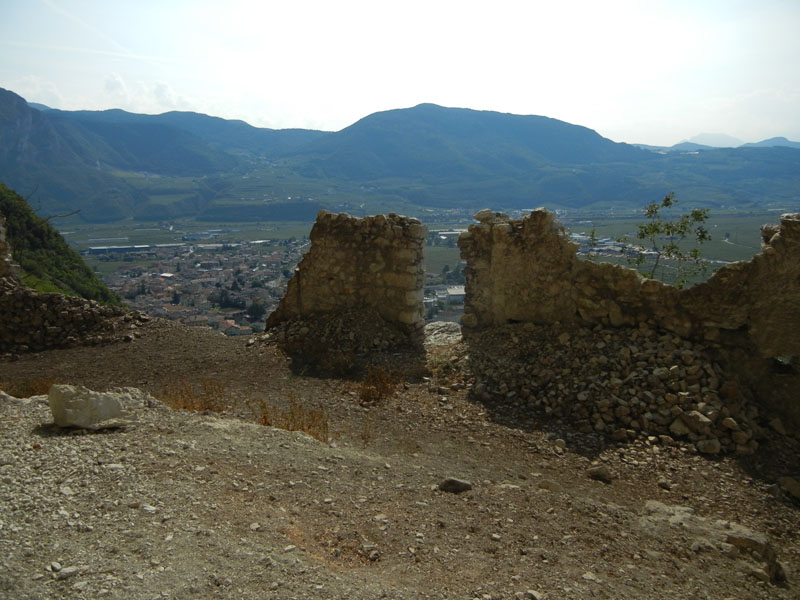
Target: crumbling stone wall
column 356, row 263
column 31, row 322
column 527, row 271
column 358, row 290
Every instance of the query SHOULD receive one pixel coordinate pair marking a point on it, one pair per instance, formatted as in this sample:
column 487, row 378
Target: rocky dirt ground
column 188, row 504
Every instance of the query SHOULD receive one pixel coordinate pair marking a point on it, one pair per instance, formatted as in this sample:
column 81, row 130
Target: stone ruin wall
column 527, row 271
column 373, row 263
column 32, row 322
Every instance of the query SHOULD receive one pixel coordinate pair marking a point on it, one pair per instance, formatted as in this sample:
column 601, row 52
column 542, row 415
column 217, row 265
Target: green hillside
column 115, row 165
column 48, row 263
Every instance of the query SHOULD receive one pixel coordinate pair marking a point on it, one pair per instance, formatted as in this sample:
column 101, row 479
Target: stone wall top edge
column 487, row 219
column 325, row 215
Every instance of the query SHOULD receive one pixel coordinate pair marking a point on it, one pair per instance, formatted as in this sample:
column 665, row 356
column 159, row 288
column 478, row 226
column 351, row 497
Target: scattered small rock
column 791, row 486
column 550, row 485
column 777, row 425
column 455, row 486
column 67, row 572
column 601, row 473
column 711, row 446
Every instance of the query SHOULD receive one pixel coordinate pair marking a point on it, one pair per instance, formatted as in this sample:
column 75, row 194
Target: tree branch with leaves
column 667, row 239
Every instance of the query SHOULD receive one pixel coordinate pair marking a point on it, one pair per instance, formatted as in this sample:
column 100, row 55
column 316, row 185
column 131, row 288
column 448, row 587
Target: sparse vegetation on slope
column 48, row 263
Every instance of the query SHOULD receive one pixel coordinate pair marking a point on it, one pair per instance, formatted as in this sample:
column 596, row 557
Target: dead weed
column 311, row 421
column 25, row 388
column 205, row 394
column 378, row 384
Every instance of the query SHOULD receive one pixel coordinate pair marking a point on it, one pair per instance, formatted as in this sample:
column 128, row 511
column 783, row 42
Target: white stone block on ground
column 77, row 406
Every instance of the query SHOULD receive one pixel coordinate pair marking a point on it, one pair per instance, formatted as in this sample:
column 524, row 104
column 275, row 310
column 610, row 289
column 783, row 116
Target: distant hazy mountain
column 429, row 140
column 53, row 164
column 689, row 147
column 224, row 134
column 66, row 162
column 716, row 140
column 114, row 164
column 772, row 142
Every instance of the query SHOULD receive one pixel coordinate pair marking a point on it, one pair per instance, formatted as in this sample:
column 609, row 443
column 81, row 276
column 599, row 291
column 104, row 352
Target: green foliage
column 48, row 263
column 665, row 237
column 453, row 277
column 256, row 311
column 227, row 300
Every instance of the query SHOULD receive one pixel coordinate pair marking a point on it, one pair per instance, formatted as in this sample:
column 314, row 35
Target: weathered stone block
column 77, row 406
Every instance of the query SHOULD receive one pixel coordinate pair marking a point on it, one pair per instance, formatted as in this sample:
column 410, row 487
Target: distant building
column 110, row 249
column 455, row 293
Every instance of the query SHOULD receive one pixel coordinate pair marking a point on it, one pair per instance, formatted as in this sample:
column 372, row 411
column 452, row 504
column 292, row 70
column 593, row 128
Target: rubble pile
column 625, row 383
column 343, row 341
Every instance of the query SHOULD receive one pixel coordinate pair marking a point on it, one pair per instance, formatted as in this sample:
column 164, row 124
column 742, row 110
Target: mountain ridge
column 114, row 165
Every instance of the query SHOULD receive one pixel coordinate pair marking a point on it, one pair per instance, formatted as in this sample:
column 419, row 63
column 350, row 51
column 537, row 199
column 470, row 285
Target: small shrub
column 379, row 383
column 205, row 394
column 366, row 430
column 311, row 421
column 665, row 237
column 442, row 365
column 25, row 388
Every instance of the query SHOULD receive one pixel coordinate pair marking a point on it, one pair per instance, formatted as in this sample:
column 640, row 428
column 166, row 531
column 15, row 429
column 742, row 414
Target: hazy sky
column 642, row 71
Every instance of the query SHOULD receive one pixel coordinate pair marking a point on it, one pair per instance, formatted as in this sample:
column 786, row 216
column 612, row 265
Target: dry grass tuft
column 311, row 421
column 338, row 363
column 366, row 430
column 442, row 365
column 205, row 394
column 25, row 388
column 379, row 383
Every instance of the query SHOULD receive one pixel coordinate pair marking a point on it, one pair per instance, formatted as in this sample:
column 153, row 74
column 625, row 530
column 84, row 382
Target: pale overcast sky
column 654, row 72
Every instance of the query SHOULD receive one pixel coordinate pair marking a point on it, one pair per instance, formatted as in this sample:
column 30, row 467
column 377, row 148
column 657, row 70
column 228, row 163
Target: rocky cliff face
column 26, row 134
